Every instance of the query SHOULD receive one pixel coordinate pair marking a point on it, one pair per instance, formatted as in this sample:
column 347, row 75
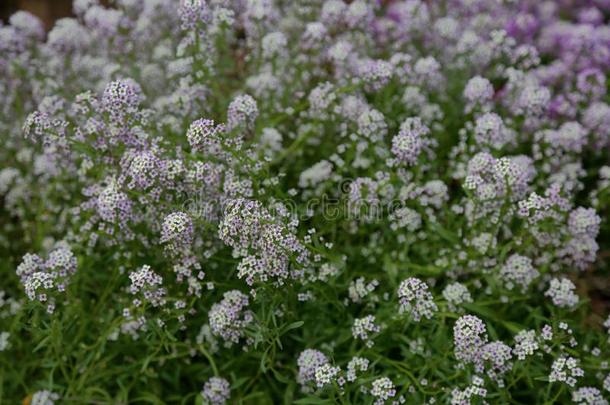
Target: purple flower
column 415, row 299
column 216, row 391
column 205, row 136
column 309, row 360
column 410, row 141
column 469, row 337
column 121, row 98
column 242, row 112
column 229, row 317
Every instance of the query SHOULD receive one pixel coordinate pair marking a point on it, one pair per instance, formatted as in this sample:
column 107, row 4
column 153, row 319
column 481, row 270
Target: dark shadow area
column 47, row 10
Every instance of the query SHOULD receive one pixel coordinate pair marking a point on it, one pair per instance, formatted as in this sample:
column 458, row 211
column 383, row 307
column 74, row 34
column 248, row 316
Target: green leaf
column 444, row 233
column 294, row 325
column 289, row 394
column 280, row 377
column 312, row 400
column 512, row 326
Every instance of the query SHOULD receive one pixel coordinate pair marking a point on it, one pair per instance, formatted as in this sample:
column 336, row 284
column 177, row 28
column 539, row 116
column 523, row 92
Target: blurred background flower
column 47, row 10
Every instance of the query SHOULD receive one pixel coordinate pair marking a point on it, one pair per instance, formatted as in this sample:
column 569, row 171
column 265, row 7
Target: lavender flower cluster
column 259, row 201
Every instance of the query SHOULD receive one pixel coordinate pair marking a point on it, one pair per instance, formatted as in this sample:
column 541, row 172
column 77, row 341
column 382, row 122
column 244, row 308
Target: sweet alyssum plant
column 312, row 202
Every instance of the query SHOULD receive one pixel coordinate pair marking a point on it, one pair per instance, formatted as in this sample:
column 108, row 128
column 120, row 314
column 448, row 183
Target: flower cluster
column 469, row 337
column 308, row 362
column 265, row 243
column 415, row 299
column 588, row 396
column 216, row 391
column 177, row 231
column 465, row 396
column 43, row 279
column 229, row 317
column 356, row 365
column 409, row 142
column 382, row 389
column 561, row 292
column 363, row 328
column 518, row 271
column 326, row 374
column 44, row 397
column 456, row 294
column 565, row 369
column 147, row 283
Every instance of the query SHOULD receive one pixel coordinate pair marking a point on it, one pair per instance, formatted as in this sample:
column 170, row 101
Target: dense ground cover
column 266, row 201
